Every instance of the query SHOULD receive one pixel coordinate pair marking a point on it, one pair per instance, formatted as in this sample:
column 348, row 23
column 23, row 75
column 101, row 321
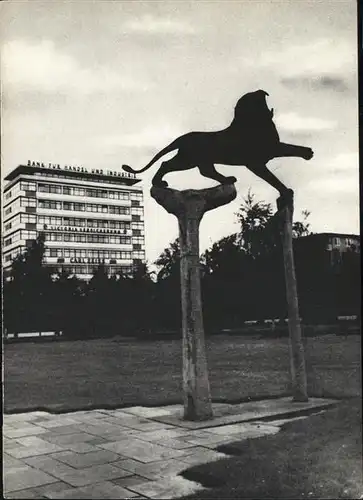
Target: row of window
column 21, row 186
column 80, row 191
column 137, row 227
column 137, row 240
column 58, row 205
column 78, row 222
column 15, row 251
column 89, row 238
column 21, row 219
column 79, row 178
column 82, row 253
column 86, row 253
column 84, row 269
column 28, row 186
column 21, row 202
column 347, row 241
column 20, row 235
column 137, row 210
column 83, row 207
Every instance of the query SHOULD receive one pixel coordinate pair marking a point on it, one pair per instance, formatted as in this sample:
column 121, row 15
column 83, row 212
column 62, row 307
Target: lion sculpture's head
column 252, row 106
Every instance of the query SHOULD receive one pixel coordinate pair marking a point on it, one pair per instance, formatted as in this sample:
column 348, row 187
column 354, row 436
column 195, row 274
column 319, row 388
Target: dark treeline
column 242, row 279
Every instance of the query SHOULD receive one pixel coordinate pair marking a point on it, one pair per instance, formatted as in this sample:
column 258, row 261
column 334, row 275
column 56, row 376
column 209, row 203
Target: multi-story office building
column 88, row 217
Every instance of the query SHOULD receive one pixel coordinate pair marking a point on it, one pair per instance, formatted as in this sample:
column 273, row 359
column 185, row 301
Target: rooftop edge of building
column 330, row 235
column 125, row 179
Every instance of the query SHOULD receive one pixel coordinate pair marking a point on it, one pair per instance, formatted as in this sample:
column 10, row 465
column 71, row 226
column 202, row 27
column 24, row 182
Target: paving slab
column 28, row 493
column 84, row 460
column 175, row 444
column 48, row 464
column 129, row 481
column 49, row 489
column 146, row 412
column 39, row 491
column 105, row 489
column 56, row 421
column 10, row 462
column 31, row 446
column 105, row 430
column 247, row 431
column 203, row 456
column 95, row 474
column 161, row 434
column 25, row 430
column 210, row 440
column 129, row 464
column 25, row 477
column 141, row 450
column 170, row 487
column 155, row 470
column 61, row 430
column 129, row 452
column 27, row 416
column 61, row 440
column 245, row 412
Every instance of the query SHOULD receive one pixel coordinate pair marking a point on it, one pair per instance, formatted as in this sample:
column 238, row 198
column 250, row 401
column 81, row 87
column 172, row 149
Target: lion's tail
column 168, row 149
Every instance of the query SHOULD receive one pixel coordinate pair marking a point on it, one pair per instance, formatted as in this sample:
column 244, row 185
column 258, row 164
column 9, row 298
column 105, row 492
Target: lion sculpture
column 251, row 140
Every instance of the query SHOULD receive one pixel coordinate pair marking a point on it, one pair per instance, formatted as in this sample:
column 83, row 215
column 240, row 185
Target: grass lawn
column 72, row 375
column 318, row 457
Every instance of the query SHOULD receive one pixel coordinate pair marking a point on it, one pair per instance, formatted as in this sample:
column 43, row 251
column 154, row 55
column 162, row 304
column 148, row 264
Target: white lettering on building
column 72, row 168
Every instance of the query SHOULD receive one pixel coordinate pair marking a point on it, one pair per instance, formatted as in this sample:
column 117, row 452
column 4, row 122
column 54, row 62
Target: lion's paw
column 161, row 184
column 308, row 154
column 229, row 180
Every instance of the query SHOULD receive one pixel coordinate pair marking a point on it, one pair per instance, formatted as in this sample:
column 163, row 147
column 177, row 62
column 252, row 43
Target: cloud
column 43, row 67
column 344, row 162
column 155, row 136
column 322, row 64
column 293, row 122
column 334, row 83
column 156, row 25
column 336, row 184
column 339, row 174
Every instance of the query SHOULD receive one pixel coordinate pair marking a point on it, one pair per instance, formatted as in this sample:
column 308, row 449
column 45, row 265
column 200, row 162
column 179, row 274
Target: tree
column 243, row 272
column 223, row 257
column 28, row 295
column 167, row 291
column 301, row 228
column 98, row 302
column 68, row 297
column 169, row 261
column 255, row 235
column 29, row 264
column 224, row 268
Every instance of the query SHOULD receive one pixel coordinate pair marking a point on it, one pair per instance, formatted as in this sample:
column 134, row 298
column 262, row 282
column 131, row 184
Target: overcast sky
column 103, row 83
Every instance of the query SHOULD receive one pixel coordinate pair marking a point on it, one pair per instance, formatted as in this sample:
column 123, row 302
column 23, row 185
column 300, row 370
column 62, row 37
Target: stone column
column 285, row 207
column 189, row 207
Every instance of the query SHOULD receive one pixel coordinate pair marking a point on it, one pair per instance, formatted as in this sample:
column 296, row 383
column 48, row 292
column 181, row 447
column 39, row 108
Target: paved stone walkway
column 133, row 453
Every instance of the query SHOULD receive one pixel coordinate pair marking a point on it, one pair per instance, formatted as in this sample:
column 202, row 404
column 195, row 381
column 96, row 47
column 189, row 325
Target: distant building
column 88, row 217
column 332, row 247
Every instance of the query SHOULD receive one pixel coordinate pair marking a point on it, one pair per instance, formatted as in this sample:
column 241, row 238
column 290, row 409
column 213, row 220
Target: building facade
column 331, row 247
column 88, row 217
